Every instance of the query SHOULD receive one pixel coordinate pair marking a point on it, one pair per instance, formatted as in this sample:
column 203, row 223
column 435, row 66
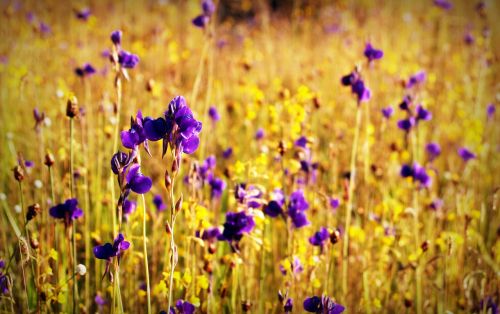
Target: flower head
column 108, row 250
column 387, row 112
column 83, row 14
column 320, row 237
column 158, row 202
column 116, row 37
column 214, row 114
column 236, row 225
column 466, row 154
column 322, row 305
column 68, row 210
column 127, row 60
column 433, row 149
column 86, row 70
column 372, row 53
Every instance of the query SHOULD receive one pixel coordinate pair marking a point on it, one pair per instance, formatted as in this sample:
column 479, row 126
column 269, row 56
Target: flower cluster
column 323, row 305
column 357, row 85
column 418, row 173
column 208, row 8
column 124, row 58
column 68, row 211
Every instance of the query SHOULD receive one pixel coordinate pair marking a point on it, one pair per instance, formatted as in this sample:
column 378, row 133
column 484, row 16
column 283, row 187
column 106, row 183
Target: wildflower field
column 220, row 156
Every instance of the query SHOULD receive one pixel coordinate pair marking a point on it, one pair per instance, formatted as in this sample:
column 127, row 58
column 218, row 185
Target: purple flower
column 156, row 129
column 209, row 234
column 323, row 305
column 489, row 307
column 120, row 161
column 182, row 307
column 490, row 110
column 273, row 209
column 83, row 14
column 416, row 79
column 185, row 137
column 406, row 103
column 128, row 208
column 423, row 114
column 44, row 28
column 334, row 202
column 201, row 20
column 443, row 4
column 68, row 210
column 213, row 114
column 136, row 135
column 433, row 150
column 387, row 112
column 361, row 91
column 301, row 142
column 99, row 300
column 108, row 250
column 296, row 266
column 158, row 202
column 466, row 154
column 227, row 153
column 259, row 134
column 217, row 185
column 406, row 124
column 208, row 7
column 320, row 237
column 116, row 37
column 127, row 60
column 372, row 53
column 296, row 208
column 236, row 225
column 86, row 70
column 4, row 284
column 136, row 181
column 288, row 305
column 418, row 173
column 469, row 38
column 436, row 204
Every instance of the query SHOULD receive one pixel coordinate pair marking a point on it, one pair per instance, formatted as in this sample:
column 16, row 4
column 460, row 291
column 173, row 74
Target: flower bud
column 335, row 236
column 72, row 107
column 33, row 210
column 246, row 305
column 18, row 173
column 168, row 180
column 150, row 85
column 49, row 159
column 178, row 205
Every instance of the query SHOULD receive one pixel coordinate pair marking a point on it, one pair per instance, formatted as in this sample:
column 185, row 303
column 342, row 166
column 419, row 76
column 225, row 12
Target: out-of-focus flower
column 433, row 149
column 301, row 142
column 372, row 53
column 213, row 114
column 466, row 154
column 68, row 210
column 83, row 14
column 208, row 9
column 296, row 208
column 387, row 112
column 443, row 4
column 288, row 305
column 416, row 79
column 418, row 173
column 86, row 70
column 158, row 202
column 116, row 37
column 182, row 307
column 259, row 134
column 320, row 237
column 490, row 111
column 217, row 186
column 227, row 152
column 128, row 208
column 127, row 60
column 236, row 225
column 322, row 305
column 358, row 87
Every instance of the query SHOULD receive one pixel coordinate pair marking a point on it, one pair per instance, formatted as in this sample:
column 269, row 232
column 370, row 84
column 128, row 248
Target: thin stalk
column 172, row 229
column 72, row 184
column 145, row 252
column 352, row 179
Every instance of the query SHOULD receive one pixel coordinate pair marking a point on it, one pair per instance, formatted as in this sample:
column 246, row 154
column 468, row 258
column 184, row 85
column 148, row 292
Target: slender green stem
column 172, row 244
column 145, row 252
column 352, row 179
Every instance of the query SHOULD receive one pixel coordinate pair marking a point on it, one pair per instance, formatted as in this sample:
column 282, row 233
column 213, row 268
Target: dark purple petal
column 313, row 304
column 156, row 129
column 190, row 145
column 273, row 209
column 116, row 37
column 141, row 184
column 201, row 20
column 104, row 251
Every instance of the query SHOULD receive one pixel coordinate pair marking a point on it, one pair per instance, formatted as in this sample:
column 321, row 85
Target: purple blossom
column 227, row 152
column 182, row 307
column 372, row 53
column 217, row 186
column 213, row 114
column 68, row 210
column 418, row 173
column 466, row 154
column 136, row 135
column 83, row 14
column 296, row 208
column 406, row 124
column 127, row 60
column 136, row 181
column 320, row 237
column 443, row 4
column 433, row 149
column 86, row 70
column 236, row 225
column 490, row 111
column 273, row 209
column 128, row 208
column 387, row 112
column 108, row 250
column 301, row 142
column 423, row 114
column 288, row 305
column 416, row 79
column 158, row 202
column 334, row 202
column 209, row 234
column 116, row 37
column 259, row 134
column 323, row 305
column 358, row 87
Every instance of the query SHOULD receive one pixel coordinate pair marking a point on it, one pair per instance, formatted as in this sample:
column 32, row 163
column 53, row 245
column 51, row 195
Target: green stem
column 345, row 249
column 145, row 252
